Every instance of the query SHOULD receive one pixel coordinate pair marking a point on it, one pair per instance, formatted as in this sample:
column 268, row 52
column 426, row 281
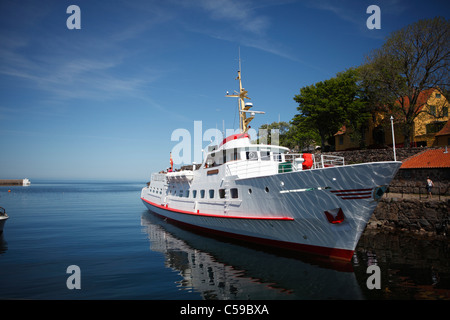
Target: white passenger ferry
column 264, row 194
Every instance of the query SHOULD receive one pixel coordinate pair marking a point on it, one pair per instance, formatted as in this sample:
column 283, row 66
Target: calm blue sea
column 124, row 252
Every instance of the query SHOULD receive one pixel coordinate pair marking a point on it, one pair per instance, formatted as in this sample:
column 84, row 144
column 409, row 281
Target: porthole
column 267, row 189
column 250, row 191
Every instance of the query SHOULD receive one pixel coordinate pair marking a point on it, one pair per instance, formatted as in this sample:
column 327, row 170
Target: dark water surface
column 124, row 252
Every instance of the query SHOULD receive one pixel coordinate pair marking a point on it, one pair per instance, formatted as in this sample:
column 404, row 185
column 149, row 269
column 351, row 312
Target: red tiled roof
column 421, row 99
column 445, row 130
column 436, row 158
column 341, row 131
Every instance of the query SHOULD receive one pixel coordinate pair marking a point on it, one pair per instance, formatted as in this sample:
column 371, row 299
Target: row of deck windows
column 219, row 158
column 234, row 194
column 155, row 190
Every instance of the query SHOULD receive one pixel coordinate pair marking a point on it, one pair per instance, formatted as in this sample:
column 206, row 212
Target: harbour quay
column 15, row 182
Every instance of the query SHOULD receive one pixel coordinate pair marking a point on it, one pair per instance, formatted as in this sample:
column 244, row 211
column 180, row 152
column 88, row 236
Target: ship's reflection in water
column 217, row 269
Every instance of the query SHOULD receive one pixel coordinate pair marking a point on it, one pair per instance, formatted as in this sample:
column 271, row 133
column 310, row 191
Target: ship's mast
column 243, row 108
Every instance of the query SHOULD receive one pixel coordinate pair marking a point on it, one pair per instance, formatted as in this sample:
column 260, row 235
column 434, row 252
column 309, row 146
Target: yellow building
column 428, row 126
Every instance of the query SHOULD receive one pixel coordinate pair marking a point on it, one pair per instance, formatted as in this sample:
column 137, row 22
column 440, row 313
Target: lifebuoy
column 308, row 163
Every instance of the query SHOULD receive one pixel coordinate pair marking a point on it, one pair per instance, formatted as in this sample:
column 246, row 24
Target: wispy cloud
column 344, row 12
column 88, row 64
column 242, row 13
column 241, row 22
column 58, row 80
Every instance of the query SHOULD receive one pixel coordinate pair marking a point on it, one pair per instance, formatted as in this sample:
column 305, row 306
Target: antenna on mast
column 243, row 107
column 239, row 58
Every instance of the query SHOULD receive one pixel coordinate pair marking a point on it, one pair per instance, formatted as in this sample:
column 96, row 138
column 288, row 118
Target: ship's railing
column 293, row 162
column 250, row 168
column 330, row 161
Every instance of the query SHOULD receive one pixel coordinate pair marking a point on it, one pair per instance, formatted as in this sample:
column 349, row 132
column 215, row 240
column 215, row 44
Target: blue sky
column 102, row 102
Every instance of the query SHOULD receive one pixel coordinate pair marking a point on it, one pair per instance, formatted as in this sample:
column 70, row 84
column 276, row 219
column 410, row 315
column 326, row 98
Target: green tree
column 301, row 135
column 413, row 59
column 328, row 105
column 266, row 130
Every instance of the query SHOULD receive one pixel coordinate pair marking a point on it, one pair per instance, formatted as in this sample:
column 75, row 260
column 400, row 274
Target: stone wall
column 412, row 215
column 414, row 180
column 373, row 155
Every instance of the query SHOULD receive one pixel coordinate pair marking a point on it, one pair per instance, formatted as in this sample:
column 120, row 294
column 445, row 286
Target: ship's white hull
column 321, row 211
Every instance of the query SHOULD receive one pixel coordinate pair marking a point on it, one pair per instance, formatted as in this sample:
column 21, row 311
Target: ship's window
column 222, row 193
column 251, row 155
column 265, row 155
column 234, row 193
column 187, row 193
column 236, row 155
column 210, row 162
column 277, row 157
column 202, row 194
column 180, row 193
column 211, row 193
column 266, row 189
column 250, row 191
column 194, row 194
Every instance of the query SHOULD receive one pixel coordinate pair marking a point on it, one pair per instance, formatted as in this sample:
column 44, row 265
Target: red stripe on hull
column 216, row 215
column 360, row 197
column 334, row 253
column 351, row 194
